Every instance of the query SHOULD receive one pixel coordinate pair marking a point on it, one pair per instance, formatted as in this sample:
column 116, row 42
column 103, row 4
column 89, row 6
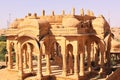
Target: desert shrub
column 2, row 50
column 2, row 38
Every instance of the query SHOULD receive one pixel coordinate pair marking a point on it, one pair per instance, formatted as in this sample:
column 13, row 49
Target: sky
column 12, row 9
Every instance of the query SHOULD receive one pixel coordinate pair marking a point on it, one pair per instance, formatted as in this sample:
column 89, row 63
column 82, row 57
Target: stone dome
column 15, row 24
column 43, row 23
column 70, row 22
column 34, row 22
column 98, row 22
column 101, row 23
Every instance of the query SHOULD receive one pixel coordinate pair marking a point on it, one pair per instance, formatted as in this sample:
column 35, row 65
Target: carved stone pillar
column 48, row 69
column 81, row 64
column 75, row 52
column 82, row 12
column 39, row 64
column 70, row 63
column 89, row 56
column 63, row 50
column 75, row 65
column 25, row 58
column 30, row 57
column 82, row 52
column 101, row 63
column 17, row 61
column 17, row 57
column 64, row 72
column 43, row 13
column 9, row 50
column 92, row 52
column 20, row 62
column 73, row 11
column 96, row 49
column 102, row 50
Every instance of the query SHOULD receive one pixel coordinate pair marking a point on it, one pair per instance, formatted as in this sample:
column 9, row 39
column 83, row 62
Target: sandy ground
column 6, row 74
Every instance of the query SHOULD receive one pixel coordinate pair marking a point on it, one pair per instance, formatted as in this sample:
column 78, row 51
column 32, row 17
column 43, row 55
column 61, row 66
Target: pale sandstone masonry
column 69, row 38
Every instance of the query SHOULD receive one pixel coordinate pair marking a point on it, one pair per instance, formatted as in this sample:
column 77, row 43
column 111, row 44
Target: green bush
column 3, row 38
column 2, row 50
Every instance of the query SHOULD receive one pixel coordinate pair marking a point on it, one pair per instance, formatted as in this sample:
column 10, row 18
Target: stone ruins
column 59, row 47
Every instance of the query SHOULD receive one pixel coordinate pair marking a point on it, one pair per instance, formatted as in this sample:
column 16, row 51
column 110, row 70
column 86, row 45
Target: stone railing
column 63, row 31
column 115, row 49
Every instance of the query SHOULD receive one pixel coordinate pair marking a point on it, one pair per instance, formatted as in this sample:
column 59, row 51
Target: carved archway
column 70, row 59
column 27, row 47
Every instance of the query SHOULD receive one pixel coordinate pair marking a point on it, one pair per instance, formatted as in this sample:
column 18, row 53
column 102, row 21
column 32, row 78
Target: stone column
column 25, row 58
column 73, row 11
column 17, row 61
column 30, row 57
column 82, row 12
column 53, row 14
column 82, row 52
column 39, row 64
column 64, row 72
column 102, row 50
column 63, row 12
column 75, row 65
column 70, row 62
column 9, row 50
column 89, row 56
column 101, row 62
column 88, row 12
column 17, row 56
column 96, row 50
column 48, row 69
column 43, row 13
column 81, row 64
column 92, row 52
column 75, row 52
column 20, row 62
column 63, row 51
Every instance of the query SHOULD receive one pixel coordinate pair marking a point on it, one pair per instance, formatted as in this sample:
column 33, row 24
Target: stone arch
column 70, row 58
column 33, row 44
column 70, row 48
column 27, row 52
column 28, row 48
column 101, row 55
column 55, row 49
column 56, row 54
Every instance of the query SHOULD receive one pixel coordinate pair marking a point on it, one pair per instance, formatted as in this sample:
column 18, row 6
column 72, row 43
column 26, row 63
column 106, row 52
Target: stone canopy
column 62, row 40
